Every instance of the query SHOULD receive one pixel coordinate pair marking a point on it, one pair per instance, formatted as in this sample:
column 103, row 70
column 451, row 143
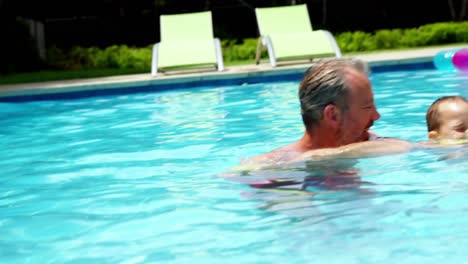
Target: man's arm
column 360, row 149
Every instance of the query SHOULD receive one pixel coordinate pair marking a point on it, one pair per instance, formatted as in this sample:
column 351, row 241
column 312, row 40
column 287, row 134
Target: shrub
column 235, row 50
column 431, row 34
column 388, row 39
column 356, row 41
column 116, row 57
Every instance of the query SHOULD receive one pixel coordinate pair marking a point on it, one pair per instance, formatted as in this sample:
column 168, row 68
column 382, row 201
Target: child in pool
column 447, row 120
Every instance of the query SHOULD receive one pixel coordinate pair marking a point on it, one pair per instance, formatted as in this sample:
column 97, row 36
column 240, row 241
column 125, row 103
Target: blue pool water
column 135, row 179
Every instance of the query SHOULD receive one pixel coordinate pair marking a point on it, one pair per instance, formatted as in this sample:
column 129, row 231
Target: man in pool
column 337, row 108
column 447, row 120
column 447, row 125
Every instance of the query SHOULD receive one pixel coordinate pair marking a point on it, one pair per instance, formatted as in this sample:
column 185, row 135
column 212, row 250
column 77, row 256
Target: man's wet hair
column 326, row 83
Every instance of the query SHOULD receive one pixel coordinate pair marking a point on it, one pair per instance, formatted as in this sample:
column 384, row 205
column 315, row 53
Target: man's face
column 361, row 112
column 454, row 117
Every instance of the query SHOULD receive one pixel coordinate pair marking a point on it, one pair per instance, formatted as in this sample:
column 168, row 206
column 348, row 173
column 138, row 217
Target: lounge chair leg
column 219, row 55
column 336, row 48
column 271, row 51
column 154, row 62
column 258, row 54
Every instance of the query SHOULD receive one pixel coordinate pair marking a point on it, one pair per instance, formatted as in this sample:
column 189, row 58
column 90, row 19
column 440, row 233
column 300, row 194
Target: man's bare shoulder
column 282, row 154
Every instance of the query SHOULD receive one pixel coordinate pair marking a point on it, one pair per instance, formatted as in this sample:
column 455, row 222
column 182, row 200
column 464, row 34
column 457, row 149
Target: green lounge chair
column 186, row 40
column 287, row 33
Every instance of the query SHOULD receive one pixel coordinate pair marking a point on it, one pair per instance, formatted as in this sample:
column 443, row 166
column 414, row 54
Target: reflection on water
column 337, row 185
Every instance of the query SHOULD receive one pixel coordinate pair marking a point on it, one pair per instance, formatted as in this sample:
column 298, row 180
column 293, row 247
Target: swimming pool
column 133, row 178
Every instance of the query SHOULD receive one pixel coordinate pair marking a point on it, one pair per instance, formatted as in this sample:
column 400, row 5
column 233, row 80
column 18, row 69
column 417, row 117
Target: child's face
column 454, row 117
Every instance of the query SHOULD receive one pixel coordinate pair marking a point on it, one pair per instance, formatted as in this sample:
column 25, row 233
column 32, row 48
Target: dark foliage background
column 103, row 23
column 136, row 22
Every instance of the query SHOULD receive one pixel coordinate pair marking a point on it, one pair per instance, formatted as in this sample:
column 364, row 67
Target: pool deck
column 186, row 76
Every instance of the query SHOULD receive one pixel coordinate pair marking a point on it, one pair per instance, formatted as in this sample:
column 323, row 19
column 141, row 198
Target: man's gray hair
column 325, row 83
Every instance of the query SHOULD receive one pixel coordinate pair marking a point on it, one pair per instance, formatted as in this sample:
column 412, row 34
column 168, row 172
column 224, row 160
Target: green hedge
column 240, row 50
column 118, row 57
column 431, row 34
column 124, row 57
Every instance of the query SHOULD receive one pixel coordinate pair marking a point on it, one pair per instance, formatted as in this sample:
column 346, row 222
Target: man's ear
column 433, row 135
column 331, row 115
